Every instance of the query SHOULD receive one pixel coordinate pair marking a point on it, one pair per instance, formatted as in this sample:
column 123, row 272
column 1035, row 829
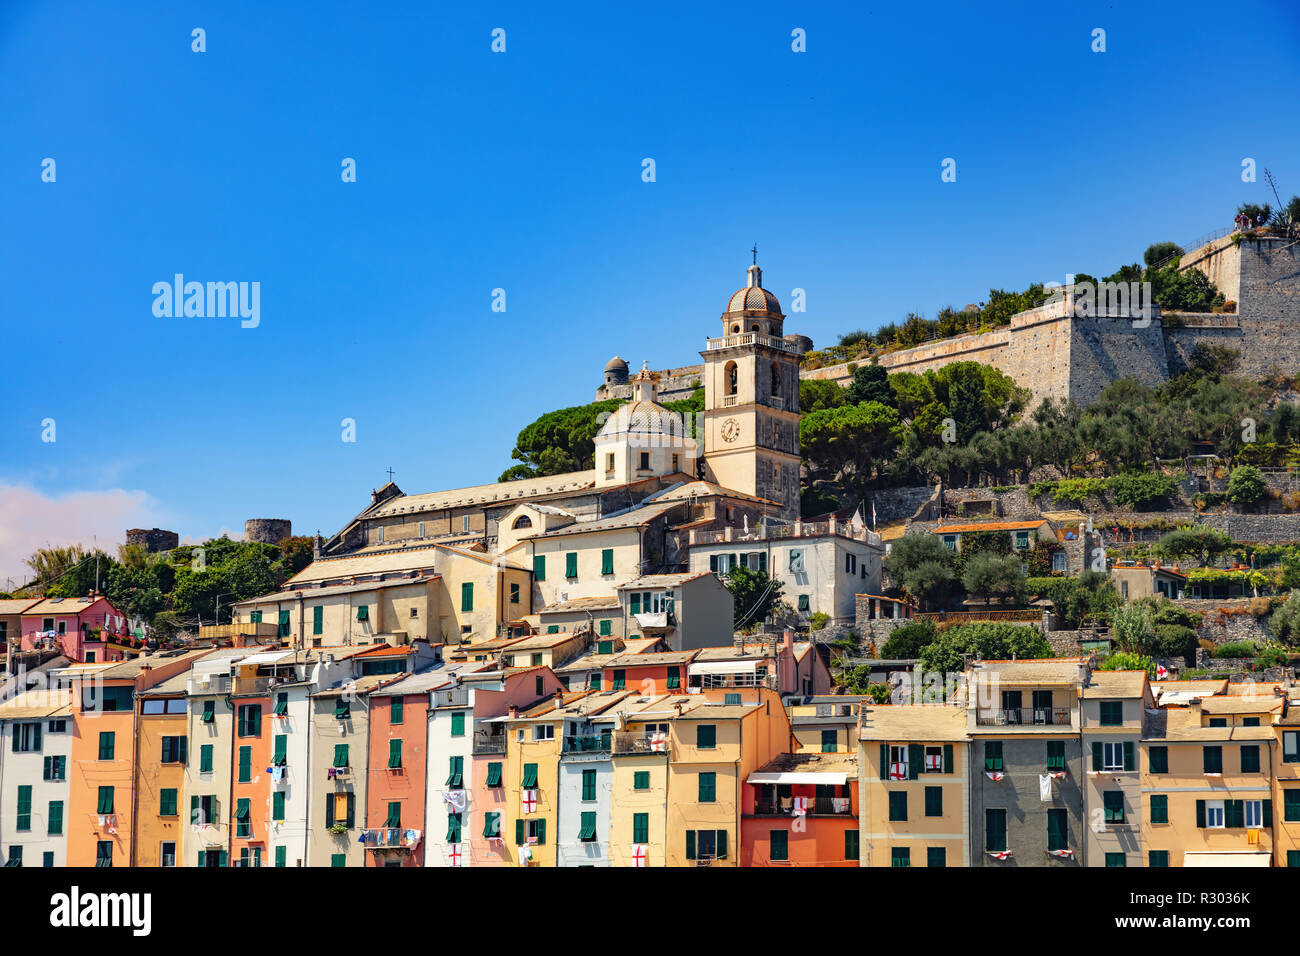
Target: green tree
column 922, row 566
column 560, row 441
column 1159, row 252
column 1205, row 544
column 852, row 442
column 908, row 640
column 753, row 594
column 816, row 394
column 988, row 575
column 1133, row 626
column 1247, row 487
column 1285, row 621
column 1124, row 661
column 988, row 640
column 870, row 384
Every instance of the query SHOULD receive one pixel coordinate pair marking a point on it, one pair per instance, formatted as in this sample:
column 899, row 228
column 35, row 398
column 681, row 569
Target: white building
column 822, row 566
column 35, row 759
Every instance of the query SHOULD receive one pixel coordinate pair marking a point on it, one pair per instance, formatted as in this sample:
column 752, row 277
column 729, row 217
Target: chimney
column 785, row 664
column 512, row 711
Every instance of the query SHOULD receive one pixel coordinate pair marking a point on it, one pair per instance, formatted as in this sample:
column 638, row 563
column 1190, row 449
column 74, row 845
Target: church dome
column 754, row 298
column 616, row 364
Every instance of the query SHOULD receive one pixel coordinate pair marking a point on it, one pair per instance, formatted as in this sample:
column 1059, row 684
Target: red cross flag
column 454, row 854
column 898, row 771
column 639, row 855
column 800, row 806
column 995, row 775
column 1000, row 854
column 934, row 761
column 530, row 801
column 1162, row 672
column 658, row 743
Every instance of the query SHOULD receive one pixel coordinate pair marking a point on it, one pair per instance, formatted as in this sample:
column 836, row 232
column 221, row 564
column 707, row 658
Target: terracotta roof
column 543, row 641
column 308, row 591
column 664, row 580
column 57, row 606
column 1066, row 670
column 1115, row 684
column 990, row 526
column 665, row 658
column 1236, row 704
column 487, row 495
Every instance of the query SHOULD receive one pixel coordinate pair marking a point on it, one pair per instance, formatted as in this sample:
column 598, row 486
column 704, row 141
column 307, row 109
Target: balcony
column 816, row 806
column 587, row 743
column 486, row 742
column 1024, row 716
column 641, row 744
column 213, row 632
column 776, row 401
column 456, row 697
column 743, row 339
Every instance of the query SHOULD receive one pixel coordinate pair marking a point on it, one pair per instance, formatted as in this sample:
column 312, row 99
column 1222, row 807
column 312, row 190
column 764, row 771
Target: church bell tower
column 751, row 400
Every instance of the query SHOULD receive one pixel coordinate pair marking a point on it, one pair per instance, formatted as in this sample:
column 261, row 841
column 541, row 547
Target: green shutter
column 458, row 723
column 1267, row 809
column 245, row 764
column 277, row 805
column 467, row 597
column 280, row 856
column 1130, row 760
column 779, row 841
column 105, row 804
column 456, row 773
column 589, row 785
column 394, row 818
column 947, row 758
column 519, row 833
column 708, row 787
column 606, row 629
column 934, row 801
column 830, row 742
column 363, row 612
column 281, row 755
column 24, row 808
column 884, row 761
column 607, row 561
column 205, row 758
column 209, row 711
column 167, row 802
column 706, row 736
column 492, row 824
column 1200, row 814
column 352, row 808
column 898, row 805
column 1158, row 759
column 587, row 829
column 851, row 851
column 539, row 567
column 640, row 828
column 674, row 678
column 530, row 776
column 342, row 710
column 494, row 774
column 635, row 605
column 915, row 758
column 107, row 745
column 690, row 844
column 55, row 827
column 722, row 844
column 395, row 753
column 1097, row 759
column 541, row 832
column 571, row 564
column 318, row 619
column 641, row 781
column 1159, row 808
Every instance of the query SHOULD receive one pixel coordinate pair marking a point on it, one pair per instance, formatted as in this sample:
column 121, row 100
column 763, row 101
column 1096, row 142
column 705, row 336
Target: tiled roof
column 812, row 762
column 628, row 519
column 17, row 605
column 663, row 580
column 1115, row 684
column 917, row 722
column 989, row 526
column 1047, row 671
column 57, row 606
column 487, row 495
column 581, row 604
column 38, row 703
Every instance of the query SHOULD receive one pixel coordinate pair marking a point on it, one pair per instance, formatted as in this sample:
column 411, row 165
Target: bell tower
column 751, row 400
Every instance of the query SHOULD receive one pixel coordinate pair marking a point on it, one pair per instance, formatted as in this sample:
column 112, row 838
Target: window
column 205, row 758
column 1058, row 561
column 464, row 522
column 1293, row 858
column 57, row 727
column 1112, row 713
column 1056, row 755
column 796, row 561
column 494, row 774
column 467, row 597
column 338, row 859
column 318, row 619
column 1254, row 814
column 209, row 711
column 607, row 561
column 640, row 828
column 167, row 854
column 851, row 845
column 167, row 806
column 107, row 745
column 530, row 776
column 456, row 773
column 588, row 785
column 900, row 856
column 543, row 731
column 1158, row 759
column 571, row 565
column 1058, row 829
column 1113, row 801
column 993, row 757
column 1212, row 759
column 934, row 801
column 340, row 808
column 539, row 567
column 1022, row 540
column 514, row 593
column 394, row 818
column 706, row 736
column 492, row 824
column 54, row 818
column 395, row 753
column 250, row 720
column 995, row 830
column 1210, row 814
column 536, row 660
column 342, row 710
column 1116, row 859
column 24, row 808
column 706, row 844
column 641, row 781
column 1250, row 759
column 803, row 603
column 1158, row 858
column 277, row 805
column 363, row 612
column 340, row 756
column 595, row 679
column 1250, row 721
column 1113, row 756
column 708, row 790
column 174, row 749
column 851, row 563
column 254, row 617
column 245, row 764
column 1291, row 805
column 938, row 759
column 898, row 805
column 56, row 768
column 779, row 840
column 243, row 825
column 936, row 857
column 1291, row 746
column 104, row 854
column 587, row 829
column 458, row 723
column 674, row 681
column 830, row 741
column 1159, row 808
column 203, row 809
column 620, row 680
column 284, row 623
column 1218, row 721
column 105, row 803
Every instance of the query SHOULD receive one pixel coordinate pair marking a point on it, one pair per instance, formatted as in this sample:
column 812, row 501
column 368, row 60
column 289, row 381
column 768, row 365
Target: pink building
column 82, row 629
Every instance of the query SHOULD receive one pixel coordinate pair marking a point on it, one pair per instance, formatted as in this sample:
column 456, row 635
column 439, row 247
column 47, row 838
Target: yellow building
column 914, row 786
column 718, row 739
column 638, row 806
column 1207, row 782
column 825, row 723
column 1286, row 785
column 162, row 805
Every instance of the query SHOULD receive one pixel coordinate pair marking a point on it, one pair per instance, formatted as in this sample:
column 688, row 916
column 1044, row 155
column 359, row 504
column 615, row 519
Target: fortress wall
column 1103, row 350
column 987, row 347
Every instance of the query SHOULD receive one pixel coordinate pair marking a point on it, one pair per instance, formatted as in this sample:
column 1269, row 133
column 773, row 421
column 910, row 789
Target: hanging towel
column 1045, row 787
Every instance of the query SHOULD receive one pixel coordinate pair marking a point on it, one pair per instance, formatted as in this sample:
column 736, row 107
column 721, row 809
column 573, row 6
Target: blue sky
column 522, row 171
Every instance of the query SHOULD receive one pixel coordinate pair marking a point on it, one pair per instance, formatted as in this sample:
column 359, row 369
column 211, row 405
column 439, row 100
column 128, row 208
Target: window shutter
column 915, row 757
column 884, row 761
column 1200, row 814
column 352, row 807
column 1129, row 763
column 1096, row 755
column 722, row 844
column 571, row 564
column 690, row 844
column 607, row 561
column 519, row 833
column 636, row 603
column 329, row 810
column 541, row 832
column 1268, row 813
column 947, row 758
column 539, row 567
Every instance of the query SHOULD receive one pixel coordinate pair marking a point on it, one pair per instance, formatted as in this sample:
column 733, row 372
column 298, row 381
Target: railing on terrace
column 992, row 614
column 587, row 743
column 817, row 806
column 729, row 681
column 1024, row 716
column 486, row 742
column 456, row 697
column 749, row 338
column 629, row 743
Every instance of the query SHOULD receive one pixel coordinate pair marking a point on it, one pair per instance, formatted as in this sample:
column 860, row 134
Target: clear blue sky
column 523, row 171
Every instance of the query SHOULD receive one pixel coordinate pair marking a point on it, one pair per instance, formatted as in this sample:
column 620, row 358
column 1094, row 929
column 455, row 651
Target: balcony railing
column 750, row 338
column 457, row 697
column 1027, row 716
column 587, row 743
column 818, row 806
column 485, row 742
column 641, row 744
column 742, row 679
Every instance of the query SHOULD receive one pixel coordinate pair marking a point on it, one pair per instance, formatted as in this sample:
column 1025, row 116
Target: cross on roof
column 755, row 252
column 390, row 473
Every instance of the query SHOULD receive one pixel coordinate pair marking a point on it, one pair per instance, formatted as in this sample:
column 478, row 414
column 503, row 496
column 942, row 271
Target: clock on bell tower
column 751, row 400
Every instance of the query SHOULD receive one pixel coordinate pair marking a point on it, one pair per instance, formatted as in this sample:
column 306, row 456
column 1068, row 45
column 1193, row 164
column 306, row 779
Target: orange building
column 801, row 809
column 101, row 778
column 399, row 753
column 650, row 675
column 161, row 813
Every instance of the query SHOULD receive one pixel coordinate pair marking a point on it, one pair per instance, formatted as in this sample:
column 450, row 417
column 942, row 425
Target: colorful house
column 35, row 749
column 86, row 629
column 914, row 781
column 1113, row 707
column 1286, row 785
column 161, row 803
column 825, row 723
column 801, row 809
column 638, row 811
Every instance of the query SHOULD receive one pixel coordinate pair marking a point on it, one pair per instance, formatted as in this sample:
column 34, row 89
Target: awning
column 265, row 657
column 725, row 667
column 808, row 776
column 1227, row 858
column 219, row 666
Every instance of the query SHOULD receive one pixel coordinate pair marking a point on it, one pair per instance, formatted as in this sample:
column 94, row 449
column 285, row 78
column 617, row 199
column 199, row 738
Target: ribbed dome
column 754, row 298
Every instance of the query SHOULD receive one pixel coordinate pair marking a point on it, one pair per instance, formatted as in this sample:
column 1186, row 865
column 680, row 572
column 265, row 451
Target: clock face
column 730, row 430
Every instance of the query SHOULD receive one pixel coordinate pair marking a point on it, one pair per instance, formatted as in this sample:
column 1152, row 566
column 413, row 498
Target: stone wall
column 1226, row 622
column 675, row 385
column 267, row 530
column 153, row 539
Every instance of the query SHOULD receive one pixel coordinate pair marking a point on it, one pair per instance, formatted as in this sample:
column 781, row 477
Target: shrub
column 988, row 576
column 1123, row 661
column 1272, row 656
column 1079, row 489
column 1137, row 489
column 989, row 640
column 1285, row 622
column 1133, row 626
column 908, row 640
column 1246, row 487
column 818, row 620
column 1173, row 640
column 1236, row 649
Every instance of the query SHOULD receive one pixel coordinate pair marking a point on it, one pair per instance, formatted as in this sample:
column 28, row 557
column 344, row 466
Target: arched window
column 753, row 328
column 523, row 521
column 776, row 379
column 730, row 372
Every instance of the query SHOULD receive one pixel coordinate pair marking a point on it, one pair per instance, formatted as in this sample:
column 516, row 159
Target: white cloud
column 31, row 520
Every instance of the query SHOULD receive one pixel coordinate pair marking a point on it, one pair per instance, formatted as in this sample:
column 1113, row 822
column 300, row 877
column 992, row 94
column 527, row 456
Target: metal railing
column 1024, row 716
column 458, row 697
column 816, row 806
column 587, row 743
column 485, row 742
column 627, row 743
